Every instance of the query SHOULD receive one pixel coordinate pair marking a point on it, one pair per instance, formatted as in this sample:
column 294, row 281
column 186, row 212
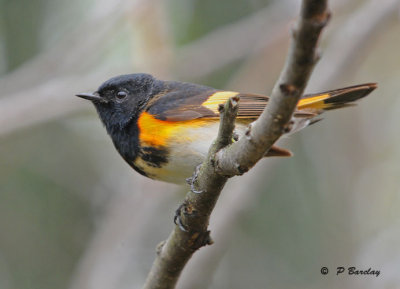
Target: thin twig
column 237, row 158
column 195, row 211
column 231, row 207
column 263, row 133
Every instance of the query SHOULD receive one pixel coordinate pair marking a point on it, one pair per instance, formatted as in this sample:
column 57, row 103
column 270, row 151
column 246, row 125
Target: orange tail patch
column 335, row 98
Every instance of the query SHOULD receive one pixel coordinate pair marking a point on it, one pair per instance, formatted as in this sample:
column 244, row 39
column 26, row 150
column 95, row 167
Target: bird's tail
column 334, row 99
column 311, row 106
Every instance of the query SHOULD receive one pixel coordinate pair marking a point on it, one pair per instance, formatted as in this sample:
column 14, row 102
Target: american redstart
column 163, row 129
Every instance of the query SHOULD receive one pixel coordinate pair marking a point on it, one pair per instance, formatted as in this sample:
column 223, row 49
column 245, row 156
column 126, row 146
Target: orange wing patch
column 220, row 97
column 156, row 132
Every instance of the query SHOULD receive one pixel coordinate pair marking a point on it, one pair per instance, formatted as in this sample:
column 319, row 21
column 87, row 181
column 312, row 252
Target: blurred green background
column 74, row 215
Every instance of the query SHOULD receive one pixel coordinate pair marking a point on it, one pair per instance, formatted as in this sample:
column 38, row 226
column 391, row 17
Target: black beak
column 92, row 96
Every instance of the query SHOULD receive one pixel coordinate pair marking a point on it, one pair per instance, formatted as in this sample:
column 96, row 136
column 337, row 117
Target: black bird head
column 120, row 99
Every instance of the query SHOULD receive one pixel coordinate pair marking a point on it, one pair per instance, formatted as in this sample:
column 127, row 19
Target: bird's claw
column 188, row 211
column 190, row 181
column 178, row 219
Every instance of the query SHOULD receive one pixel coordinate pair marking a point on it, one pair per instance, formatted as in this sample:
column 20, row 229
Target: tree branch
column 263, row 133
column 225, row 159
column 195, row 211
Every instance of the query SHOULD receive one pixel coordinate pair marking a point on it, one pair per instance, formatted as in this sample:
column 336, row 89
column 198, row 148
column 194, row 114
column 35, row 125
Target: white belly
column 184, row 155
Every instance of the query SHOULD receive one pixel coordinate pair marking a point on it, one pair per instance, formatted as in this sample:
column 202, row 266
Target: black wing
column 179, row 101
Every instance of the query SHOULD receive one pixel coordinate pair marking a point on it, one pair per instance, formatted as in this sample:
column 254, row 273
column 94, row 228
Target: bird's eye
column 121, row 95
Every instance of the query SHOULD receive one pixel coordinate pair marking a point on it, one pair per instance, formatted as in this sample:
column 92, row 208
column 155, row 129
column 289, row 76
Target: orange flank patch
column 316, row 102
column 218, row 98
column 156, row 132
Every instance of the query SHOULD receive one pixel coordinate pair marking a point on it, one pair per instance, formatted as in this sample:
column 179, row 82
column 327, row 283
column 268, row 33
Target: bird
column 163, row 129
